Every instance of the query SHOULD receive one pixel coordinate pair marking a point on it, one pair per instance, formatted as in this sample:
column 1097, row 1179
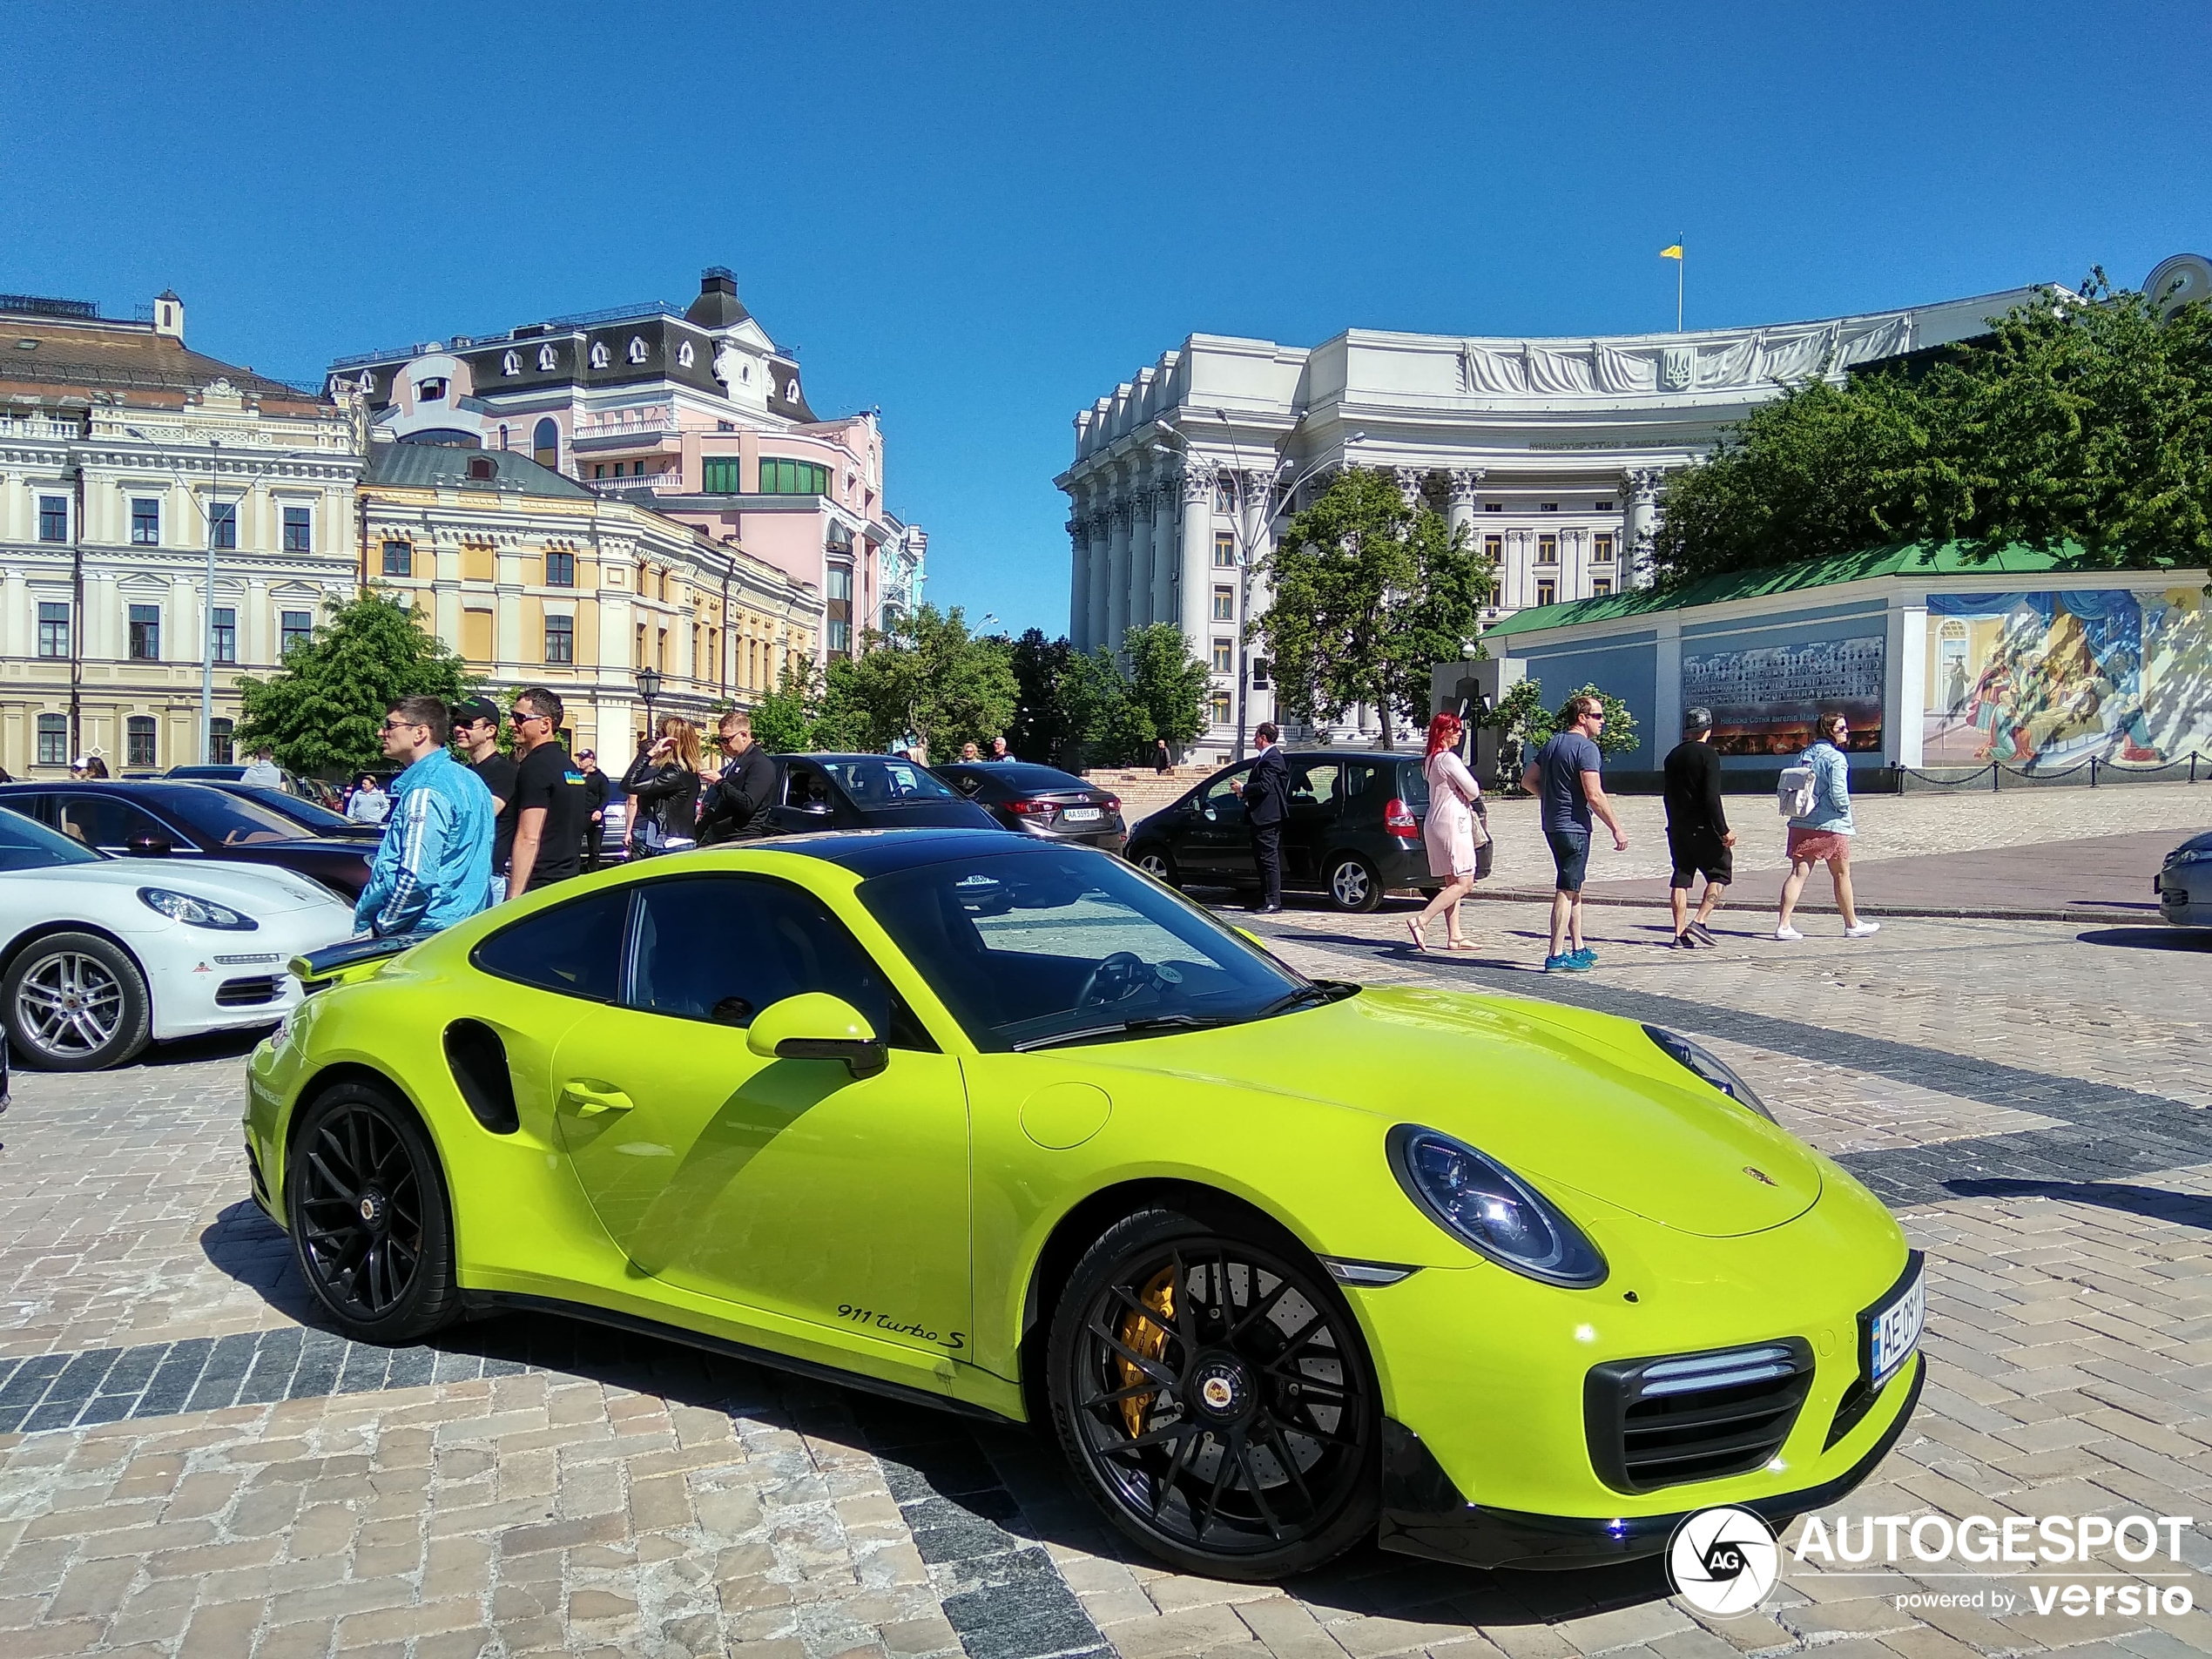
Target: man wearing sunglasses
column 542, row 823
column 433, row 868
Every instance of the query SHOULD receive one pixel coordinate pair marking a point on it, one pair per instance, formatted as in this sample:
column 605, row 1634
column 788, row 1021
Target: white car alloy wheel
column 1352, row 884
column 1154, row 864
column 76, row 1004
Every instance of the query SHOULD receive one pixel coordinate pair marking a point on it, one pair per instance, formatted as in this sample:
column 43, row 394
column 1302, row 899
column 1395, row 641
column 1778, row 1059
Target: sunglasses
column 401, row 725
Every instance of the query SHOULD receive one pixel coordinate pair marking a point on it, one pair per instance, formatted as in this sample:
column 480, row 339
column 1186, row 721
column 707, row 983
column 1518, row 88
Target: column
column 1078, row 581
column 1640, row 493
column 1137, row 609
column 1255, row 590
column 1102, row 577
column 1195, row 561
column 1409, row 485
column 1904, row 687
column 1165, row 490
column 1459, row 513
column 1118, row 515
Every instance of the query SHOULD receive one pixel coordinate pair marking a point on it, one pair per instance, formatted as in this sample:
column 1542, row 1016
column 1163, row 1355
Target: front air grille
column 247, row 992
column 1682, row 1418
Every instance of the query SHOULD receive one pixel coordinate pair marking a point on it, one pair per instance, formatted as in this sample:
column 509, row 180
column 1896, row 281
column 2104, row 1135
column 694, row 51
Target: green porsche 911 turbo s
column 1007, row 1126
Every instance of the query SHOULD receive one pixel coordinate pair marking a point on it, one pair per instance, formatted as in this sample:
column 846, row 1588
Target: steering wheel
column 1115, row 980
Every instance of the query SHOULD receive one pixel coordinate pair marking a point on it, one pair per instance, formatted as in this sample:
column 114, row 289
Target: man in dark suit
column 1266, row 795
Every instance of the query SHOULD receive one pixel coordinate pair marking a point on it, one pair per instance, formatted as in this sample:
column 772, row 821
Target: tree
column 2084, row 421
column 1370, row 594
column 324, row 708
column 1520, row 714
column 1056, row 704
column 1166, row 683
column 783, row 720
column 925, row 678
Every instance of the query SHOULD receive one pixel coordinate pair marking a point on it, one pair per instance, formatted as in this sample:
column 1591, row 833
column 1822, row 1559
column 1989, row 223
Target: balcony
column 656, row 483
column 626, row 423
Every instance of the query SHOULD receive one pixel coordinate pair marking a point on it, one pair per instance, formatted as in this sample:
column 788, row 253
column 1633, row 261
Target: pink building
column 697, row 413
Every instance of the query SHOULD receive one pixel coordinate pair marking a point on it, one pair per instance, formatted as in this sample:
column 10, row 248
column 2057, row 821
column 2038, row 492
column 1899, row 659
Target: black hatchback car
column 823, row 792
column 1040, row 800
column 155, row 819
column 1354, row 833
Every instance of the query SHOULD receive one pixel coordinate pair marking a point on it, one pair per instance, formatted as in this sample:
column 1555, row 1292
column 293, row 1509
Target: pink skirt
column 1814, row 847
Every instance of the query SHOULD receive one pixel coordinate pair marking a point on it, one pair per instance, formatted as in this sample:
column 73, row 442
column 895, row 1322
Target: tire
column 1352, row 883
column 1257, row 1456
column 372, row 1231
column 75, row 1002
column 1158, row 863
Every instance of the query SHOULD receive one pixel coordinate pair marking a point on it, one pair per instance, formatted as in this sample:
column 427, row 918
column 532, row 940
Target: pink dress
column 1449, row 831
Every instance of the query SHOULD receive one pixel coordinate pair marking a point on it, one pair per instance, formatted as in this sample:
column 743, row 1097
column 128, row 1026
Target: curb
column 1938, row 912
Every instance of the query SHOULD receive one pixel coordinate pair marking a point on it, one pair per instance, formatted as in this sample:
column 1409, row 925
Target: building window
column 53, row 629
column 1547, row 506
column 137, row 741
column 1547, row 592
column 146, row 521
column 721, row 476
column 1224, row 655
column 1603, row 507
column 560, row 639
column 1225, row 552
column 502, row 436
column 222, row 523
column 218, row 743
column 145, row 633
column 1225, row 496
column 1225, row 604
column 1493, row 507
column 637, row 349
column 840, row 582
column 1601, row 586
column 840, row 635
column 293, row 628
column 399, row 559
column 600, row 355
column 1218, row 708
column 225, row 634
column 545, row 437
column 683, row 358
column 1493, row 549
column 1260, row 671
column 560, row 570
column 299, row 531
column 660, row 651
column 1601, row 548
column 1548, row 550
column 510, row 363
column 53, row 740
column 430, row 391
column 780, row 477
column 53, row 518
column 546, row 358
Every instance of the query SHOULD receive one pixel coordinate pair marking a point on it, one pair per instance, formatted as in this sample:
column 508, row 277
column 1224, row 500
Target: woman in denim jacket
column 1823, row 834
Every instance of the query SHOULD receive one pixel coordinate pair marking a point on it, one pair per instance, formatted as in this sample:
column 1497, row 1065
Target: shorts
column 1813, row 846
column 1699, row 853
column 1571, row 854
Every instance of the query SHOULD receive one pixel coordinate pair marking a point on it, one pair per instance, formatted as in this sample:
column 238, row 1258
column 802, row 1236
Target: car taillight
column 1398, row 820
column 1113, row 803
column 1030, row 808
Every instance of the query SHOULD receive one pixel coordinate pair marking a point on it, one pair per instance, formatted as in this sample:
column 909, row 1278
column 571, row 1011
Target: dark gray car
column 1354, row 833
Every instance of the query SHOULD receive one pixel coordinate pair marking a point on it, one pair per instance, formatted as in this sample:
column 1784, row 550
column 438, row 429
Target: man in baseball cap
column 476, row 721
column 1697, row 832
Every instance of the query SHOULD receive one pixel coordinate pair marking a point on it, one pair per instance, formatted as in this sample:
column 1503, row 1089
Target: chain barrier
column 2000, row 776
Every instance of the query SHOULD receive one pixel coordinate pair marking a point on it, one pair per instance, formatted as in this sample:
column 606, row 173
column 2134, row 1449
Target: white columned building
column 1549, row 454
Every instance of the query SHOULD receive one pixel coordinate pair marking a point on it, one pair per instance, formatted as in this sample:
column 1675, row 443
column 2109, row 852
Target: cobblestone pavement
column 186, row 1470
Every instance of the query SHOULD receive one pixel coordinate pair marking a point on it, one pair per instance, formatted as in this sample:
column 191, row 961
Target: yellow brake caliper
column 1147, row 1337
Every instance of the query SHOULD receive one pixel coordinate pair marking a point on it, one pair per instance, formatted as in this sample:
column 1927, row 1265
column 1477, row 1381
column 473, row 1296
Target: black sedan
column 866, row 791
column 1040, row 800
column 156, row 818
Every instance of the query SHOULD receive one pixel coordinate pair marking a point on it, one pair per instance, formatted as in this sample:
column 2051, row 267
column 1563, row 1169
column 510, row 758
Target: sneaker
column 1560, row 965
column 1683, row 942
column 1787, row 933
column 1860, row 930
column 1703, row 935
column 1583, row 958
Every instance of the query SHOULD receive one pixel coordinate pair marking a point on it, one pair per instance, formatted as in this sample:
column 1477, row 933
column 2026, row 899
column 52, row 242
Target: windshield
column 216, row 816
column 871, row 782
column 28, row 845
column 315, row 816
column 1066, row 945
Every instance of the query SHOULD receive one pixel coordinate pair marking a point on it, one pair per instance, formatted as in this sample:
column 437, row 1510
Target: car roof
column 879, row 851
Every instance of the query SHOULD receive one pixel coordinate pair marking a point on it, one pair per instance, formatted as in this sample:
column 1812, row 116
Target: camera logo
column 1724, row 1562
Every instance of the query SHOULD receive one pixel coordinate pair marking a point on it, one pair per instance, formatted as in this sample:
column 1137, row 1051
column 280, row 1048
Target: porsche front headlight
column 1487, row 1207
column 1708, row 1066
column 195, row 912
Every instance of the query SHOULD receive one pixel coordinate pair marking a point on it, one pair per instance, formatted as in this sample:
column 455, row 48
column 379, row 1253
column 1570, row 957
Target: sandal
column 1419, row 934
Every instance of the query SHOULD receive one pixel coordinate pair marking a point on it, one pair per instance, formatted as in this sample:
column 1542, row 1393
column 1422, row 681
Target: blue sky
column 979, row 217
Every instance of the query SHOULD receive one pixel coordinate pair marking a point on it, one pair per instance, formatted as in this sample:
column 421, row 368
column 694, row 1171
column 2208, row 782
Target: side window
column 1363, row 789
column 806, row 789
column 723, row 947
column 1220, row 796
column 1413, row 786
column 573, row 948
column 106, row 823
column 37, row 807
column 1314, row 785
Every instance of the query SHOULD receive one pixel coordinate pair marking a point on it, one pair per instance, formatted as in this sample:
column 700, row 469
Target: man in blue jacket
column 433, row 868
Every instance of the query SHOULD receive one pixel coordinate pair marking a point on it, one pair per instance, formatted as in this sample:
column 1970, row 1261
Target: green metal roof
column 1909, row 558
column 438, row 466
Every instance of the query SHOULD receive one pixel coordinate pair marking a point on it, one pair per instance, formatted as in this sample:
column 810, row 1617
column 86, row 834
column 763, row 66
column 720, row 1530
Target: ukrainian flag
column 1674, row 253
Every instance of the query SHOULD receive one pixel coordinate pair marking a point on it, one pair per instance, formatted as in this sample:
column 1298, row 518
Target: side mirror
column 147, row 845
column 816, row 1025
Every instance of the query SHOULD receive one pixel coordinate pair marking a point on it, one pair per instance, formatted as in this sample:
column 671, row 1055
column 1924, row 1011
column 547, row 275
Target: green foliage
column 1370, row 595
column 2084, row 421
column 783, row 720
column 925, row 678
column 1165, row 686
column 1620, row 734
column 1078, row 710
column 324, row 708
column 1521, row 713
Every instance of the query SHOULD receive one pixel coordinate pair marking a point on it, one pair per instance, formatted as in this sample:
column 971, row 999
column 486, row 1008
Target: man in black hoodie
column 1697, row 832
column 735, row 800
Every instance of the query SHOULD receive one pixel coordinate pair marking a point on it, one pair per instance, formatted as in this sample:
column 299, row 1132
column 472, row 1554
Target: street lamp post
column 648, row 688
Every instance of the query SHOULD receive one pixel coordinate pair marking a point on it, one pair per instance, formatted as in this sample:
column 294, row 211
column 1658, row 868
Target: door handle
column 591, row 1099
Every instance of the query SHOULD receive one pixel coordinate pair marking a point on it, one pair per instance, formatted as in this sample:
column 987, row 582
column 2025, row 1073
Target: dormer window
column 511, row 363
column 600, row 356
column 430, row 391
column 545, row 357
column 791, row 390
column 368, row 384
column 684, row 356
column 637, row 349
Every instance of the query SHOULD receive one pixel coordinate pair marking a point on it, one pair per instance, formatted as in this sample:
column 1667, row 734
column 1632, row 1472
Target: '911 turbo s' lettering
column 953, row 1340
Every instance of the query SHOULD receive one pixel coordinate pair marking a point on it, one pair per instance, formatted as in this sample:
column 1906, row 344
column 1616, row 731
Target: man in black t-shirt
column 475, row 730
column 1697, row 832
column 542, row 823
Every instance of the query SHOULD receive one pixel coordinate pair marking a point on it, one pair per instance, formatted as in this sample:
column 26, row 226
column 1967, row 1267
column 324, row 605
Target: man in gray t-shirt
column 1564, row 778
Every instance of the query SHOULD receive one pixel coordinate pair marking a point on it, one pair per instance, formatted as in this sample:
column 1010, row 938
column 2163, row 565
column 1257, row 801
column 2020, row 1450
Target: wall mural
column 2052, row 680
column 1765, row 700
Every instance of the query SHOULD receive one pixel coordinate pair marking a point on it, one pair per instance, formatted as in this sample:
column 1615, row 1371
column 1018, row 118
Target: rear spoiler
column 349, row 959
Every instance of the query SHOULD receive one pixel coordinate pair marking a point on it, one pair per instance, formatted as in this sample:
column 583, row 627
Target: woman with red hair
column 1453, row 834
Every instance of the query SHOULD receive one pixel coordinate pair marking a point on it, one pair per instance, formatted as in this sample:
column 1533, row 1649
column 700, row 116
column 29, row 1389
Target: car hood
column 256, row 890
column 1574, row 1101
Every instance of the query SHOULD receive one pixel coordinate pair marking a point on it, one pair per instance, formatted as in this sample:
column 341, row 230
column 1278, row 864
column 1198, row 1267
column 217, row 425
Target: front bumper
column 228, row 982
column 2185, row 895
column 1424, row 1513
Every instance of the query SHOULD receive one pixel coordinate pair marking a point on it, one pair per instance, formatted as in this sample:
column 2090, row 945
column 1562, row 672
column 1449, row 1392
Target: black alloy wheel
column 76, row 1003
column 370, row 1228
column 1215, row 1398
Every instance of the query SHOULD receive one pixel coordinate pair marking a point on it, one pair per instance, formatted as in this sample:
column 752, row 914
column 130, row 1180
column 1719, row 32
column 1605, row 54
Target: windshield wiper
column 1322, row 990
column 1122, row 1028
